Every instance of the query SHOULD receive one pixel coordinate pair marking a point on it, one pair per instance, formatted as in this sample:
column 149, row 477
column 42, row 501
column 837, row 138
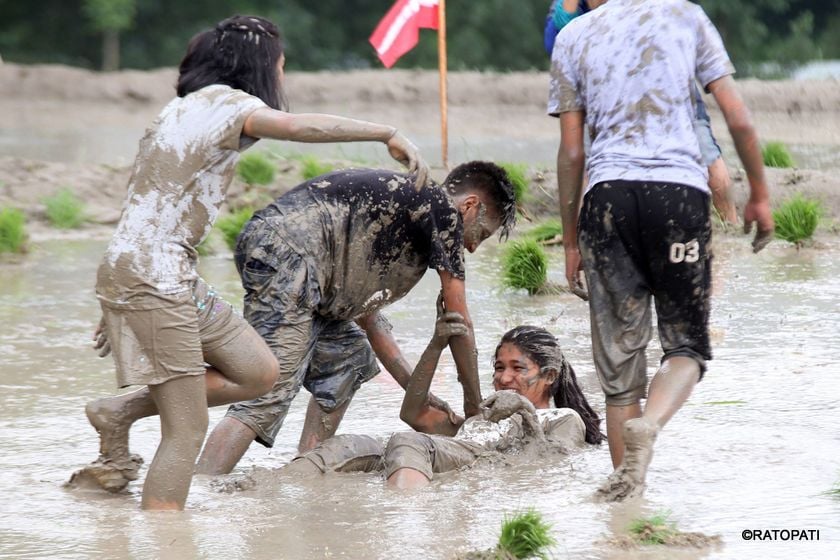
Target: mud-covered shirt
column 563, row 426
column 371, row 234
column 631, row 65
column 185, row 163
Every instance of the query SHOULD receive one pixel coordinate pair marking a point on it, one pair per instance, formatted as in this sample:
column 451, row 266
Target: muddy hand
column 503, row 404
column 101, row 343
column 436, row 402
column 448, row 325
column 401, row 149
column 574, row 271
column 760, row 213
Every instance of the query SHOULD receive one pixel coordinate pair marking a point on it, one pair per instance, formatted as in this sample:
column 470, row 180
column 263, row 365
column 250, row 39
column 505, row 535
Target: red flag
column 399, row 30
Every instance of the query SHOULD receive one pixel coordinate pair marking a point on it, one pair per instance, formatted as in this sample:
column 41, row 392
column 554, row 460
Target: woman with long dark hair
column 530, row 375
column 164, row 323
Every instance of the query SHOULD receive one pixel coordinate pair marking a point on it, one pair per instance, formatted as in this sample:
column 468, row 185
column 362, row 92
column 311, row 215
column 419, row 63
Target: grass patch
column 525, row 535
column 312, row 167
column 797, row 218
column 231, row 224
column 12, row 230
column 518, row 175
column 65, row 210
column 545, row 231
column 255, row 168
column 525, row 266
column 657, row 529
column 776, row 154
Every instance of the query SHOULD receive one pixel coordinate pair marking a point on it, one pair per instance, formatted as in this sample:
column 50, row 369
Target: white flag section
column 399, row 30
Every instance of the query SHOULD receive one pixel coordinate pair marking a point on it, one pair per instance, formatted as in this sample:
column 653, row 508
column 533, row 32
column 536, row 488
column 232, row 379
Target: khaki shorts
column 413, row 450
column 155, row 339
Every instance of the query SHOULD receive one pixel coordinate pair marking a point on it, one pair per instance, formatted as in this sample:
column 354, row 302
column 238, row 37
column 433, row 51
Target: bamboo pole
column 444, row 126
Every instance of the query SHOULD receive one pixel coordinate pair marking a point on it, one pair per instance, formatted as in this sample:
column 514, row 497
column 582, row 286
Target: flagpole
column 444, row 132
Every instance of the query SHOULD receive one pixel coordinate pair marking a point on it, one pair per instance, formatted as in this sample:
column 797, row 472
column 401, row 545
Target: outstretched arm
column 462, row 346
column 746, row 144
column 415, row 411
column 381, row 337
column 316, row 127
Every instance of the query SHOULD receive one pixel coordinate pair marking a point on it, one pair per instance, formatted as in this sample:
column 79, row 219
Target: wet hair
column 491, row 180
column 543, row 349
column 240, row 52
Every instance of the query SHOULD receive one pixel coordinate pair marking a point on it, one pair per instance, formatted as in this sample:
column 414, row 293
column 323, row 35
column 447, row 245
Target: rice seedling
column 657, row 529
column 525, row 535
column 313, row 167
column 525, row 266
column 255, row 168
column 12, row 230
column 65, row 210
column 232, row 224
column 546, row 231
column 776, row 154
column 518, row 175
column 797, row 218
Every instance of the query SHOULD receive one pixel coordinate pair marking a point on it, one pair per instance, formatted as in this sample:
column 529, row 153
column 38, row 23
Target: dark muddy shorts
column 331, row 358
column 637, row 241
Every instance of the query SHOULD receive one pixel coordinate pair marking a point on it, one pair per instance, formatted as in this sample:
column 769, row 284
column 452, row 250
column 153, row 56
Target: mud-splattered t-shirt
column 563, row 426
column 371, row 235
column 184, row 166
column 631, row 65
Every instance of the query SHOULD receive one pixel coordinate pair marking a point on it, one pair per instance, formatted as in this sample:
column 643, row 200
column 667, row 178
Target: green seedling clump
column 12, row 230
column 776, row 154
column 518, row 175
column 545, row 231
column 232, row 224
column 255, row 168
column 525, row 535
column 657, row 529
column 525, row 266
column 797, row 219
column 65, row 210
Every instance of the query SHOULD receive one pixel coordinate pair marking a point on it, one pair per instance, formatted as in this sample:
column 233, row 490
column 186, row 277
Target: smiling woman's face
column 515, row 371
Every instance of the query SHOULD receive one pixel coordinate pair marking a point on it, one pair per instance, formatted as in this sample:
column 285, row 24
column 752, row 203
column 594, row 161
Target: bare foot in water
column 628, row 480
column 115, row 467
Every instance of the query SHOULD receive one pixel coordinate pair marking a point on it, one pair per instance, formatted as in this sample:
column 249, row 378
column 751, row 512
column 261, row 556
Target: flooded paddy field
column 755, row 448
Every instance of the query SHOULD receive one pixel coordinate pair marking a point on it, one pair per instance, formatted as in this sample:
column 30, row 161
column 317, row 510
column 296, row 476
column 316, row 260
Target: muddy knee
column 341, row 453
column 409, row 450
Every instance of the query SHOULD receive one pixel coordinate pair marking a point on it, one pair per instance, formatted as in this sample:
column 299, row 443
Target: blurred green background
column 764, row 37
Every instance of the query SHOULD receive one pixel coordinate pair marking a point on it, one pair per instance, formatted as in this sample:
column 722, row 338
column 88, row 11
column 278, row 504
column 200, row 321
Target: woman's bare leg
column 243, row 369
column 182, row 405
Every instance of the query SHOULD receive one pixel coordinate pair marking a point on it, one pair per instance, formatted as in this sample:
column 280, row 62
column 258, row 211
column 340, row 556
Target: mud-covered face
column 480, row 221
column 515, row 371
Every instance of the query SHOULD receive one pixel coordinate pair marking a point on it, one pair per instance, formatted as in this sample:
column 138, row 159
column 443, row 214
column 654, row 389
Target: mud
column 628, row 480
column 673, row 539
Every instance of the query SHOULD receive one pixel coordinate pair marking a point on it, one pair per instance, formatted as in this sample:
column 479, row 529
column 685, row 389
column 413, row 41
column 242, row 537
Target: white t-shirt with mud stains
column 186, row 161
column 560, row 425
column 631, row 65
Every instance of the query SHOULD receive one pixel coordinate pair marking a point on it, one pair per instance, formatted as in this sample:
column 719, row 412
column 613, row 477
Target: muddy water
column 760, row 461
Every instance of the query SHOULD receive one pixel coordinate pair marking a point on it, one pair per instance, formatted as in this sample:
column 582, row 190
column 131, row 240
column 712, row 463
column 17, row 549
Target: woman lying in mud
column 163, row 322
column 530, row 373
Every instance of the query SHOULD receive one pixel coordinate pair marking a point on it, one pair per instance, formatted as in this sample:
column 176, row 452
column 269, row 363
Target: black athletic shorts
column 640, row 240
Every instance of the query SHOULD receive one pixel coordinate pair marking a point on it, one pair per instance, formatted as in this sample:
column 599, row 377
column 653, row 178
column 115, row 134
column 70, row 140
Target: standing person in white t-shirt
column 162, row 321
column 626, row 70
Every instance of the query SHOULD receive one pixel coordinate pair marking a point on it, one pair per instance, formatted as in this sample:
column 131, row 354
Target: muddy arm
column 320, row 128
column 462, row 347
column 380, row 335
column 415, row 411
column 743, row 133
column 570, row 158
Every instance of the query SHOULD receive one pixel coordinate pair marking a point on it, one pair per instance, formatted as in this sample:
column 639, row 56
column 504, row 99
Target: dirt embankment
column 36, row 101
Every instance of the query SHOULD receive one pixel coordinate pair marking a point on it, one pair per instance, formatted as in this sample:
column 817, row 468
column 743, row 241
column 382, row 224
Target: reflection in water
column 755, row 448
